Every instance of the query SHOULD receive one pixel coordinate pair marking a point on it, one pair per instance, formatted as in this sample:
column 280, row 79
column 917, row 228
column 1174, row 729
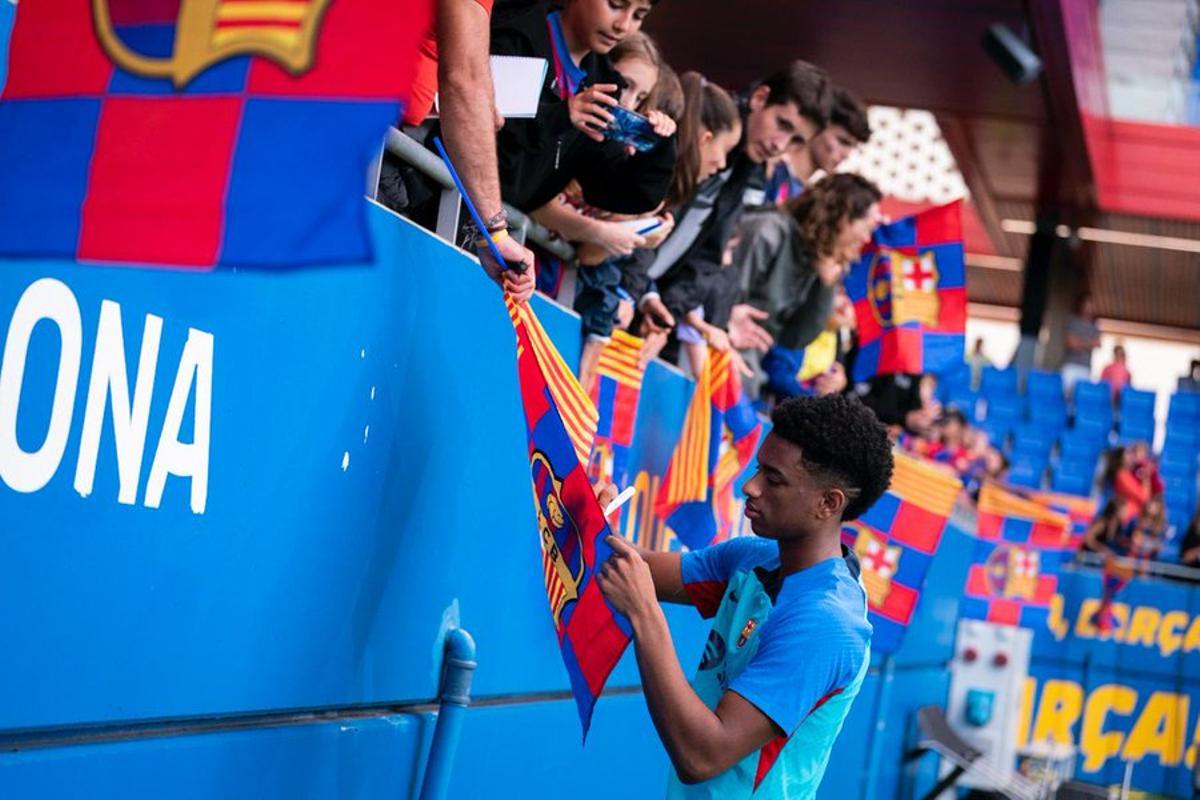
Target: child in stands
column 709, row 128
column 566, row 140
column 848, row 128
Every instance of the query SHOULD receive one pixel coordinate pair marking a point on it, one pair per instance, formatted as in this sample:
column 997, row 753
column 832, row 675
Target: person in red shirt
column 454, row 64
column 1134, row 477
column 1116, row 374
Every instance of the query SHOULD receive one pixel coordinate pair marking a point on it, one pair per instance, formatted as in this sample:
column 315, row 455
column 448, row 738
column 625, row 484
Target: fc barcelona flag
column 198, row 133
column 561, row 421
column 615, row 390
column 1080, row 510
column 1014, row 573
column 720, row 436
column 910, row 296
column 895, row 541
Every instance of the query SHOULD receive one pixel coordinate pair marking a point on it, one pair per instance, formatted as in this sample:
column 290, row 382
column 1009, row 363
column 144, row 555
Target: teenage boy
column 790, row 106
column 848, row 128
column 565, row 141
column 790, row 642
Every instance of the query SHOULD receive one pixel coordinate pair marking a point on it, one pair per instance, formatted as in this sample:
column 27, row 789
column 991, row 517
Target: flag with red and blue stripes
column 560, row 421
column 720, row 437
column 615, row 390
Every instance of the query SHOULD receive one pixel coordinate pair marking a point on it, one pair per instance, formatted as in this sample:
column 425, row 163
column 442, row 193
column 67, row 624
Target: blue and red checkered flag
column 895, row 541
column 615, row 390
column 198, row 133
column 910, row 295
column 1019, row 547
column 720, row 436
column 561, row 421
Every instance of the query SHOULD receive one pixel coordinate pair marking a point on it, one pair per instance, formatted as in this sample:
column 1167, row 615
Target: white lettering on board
column 109, row 380
column 173, row 456
column 44, row 299
column 108, row 389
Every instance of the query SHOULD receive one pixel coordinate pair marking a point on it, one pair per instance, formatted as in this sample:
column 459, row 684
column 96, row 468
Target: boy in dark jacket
column 539, row 157
column 789, row 106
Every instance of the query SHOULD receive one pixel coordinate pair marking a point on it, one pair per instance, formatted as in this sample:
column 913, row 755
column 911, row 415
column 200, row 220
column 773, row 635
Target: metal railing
column 1162, row 569
column 413, row 153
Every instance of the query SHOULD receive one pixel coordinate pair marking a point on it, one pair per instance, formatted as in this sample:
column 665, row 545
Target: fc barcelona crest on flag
column 1012, row 572
column 909, row 293
column 878, row 560
column 208, row 32
column 895, row 541
column 904, row 287
column 562, row 547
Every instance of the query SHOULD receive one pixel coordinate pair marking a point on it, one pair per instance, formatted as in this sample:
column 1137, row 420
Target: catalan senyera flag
column 615, row 390
column 895, row 541
column 1019, row 547
column 720, row 436
column 910, row 296
column 198, row 133
column 561, row 421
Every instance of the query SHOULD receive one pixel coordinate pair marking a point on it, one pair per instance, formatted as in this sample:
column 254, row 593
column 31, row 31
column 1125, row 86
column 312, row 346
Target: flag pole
column 519, row 266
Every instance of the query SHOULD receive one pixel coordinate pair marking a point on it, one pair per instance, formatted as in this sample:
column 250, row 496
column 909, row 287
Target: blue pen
column 653, row 227
column 519, row 266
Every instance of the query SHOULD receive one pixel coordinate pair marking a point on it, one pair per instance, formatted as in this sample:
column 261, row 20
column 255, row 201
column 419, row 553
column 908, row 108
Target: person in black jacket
column 789, row 106
column 565, row 141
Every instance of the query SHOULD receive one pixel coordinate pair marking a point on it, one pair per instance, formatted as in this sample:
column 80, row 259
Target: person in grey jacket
column 791, row 260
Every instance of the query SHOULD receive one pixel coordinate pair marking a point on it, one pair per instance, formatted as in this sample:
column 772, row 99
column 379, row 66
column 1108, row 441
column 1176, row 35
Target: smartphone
column 630, row 127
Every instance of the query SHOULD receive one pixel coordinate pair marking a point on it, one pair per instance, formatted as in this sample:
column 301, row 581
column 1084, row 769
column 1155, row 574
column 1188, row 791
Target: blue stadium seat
column 998, row 432
column 1049, row 412
column 1044, row 385
column 1004, row 407
column 964, row 400
column 1080, row 445
column 998, row 382
column 1136, row 402
column 1136, row 430
column 1180, row 489
column 1093, row 431
column 1093, row 398
column 957, row 378
column 1186, row 404
column 1072, row 479
column 1027, row 472
column 1034, row 438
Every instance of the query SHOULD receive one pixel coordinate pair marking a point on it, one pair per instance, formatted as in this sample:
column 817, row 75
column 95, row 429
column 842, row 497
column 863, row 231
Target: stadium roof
column 1127, row 189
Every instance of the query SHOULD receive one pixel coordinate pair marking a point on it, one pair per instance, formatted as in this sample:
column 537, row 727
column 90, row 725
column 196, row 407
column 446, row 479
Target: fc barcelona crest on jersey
column 208, row 32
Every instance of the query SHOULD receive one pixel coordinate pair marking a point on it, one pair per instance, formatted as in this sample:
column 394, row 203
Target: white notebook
column 517, row 82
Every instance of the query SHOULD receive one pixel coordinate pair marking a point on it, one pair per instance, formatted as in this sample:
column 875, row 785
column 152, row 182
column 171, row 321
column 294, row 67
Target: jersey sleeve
column 801, row 662
column 706, row 572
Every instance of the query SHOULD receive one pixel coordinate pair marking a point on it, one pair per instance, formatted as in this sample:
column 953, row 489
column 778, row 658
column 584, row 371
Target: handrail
column 1164, row 569
column 411, row 152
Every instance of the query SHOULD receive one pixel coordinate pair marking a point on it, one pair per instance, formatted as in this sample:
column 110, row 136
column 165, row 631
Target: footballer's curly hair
column 840, row 441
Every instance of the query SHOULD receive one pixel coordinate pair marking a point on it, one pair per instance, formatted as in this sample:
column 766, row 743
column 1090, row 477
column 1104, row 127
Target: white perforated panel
column 907, row 157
